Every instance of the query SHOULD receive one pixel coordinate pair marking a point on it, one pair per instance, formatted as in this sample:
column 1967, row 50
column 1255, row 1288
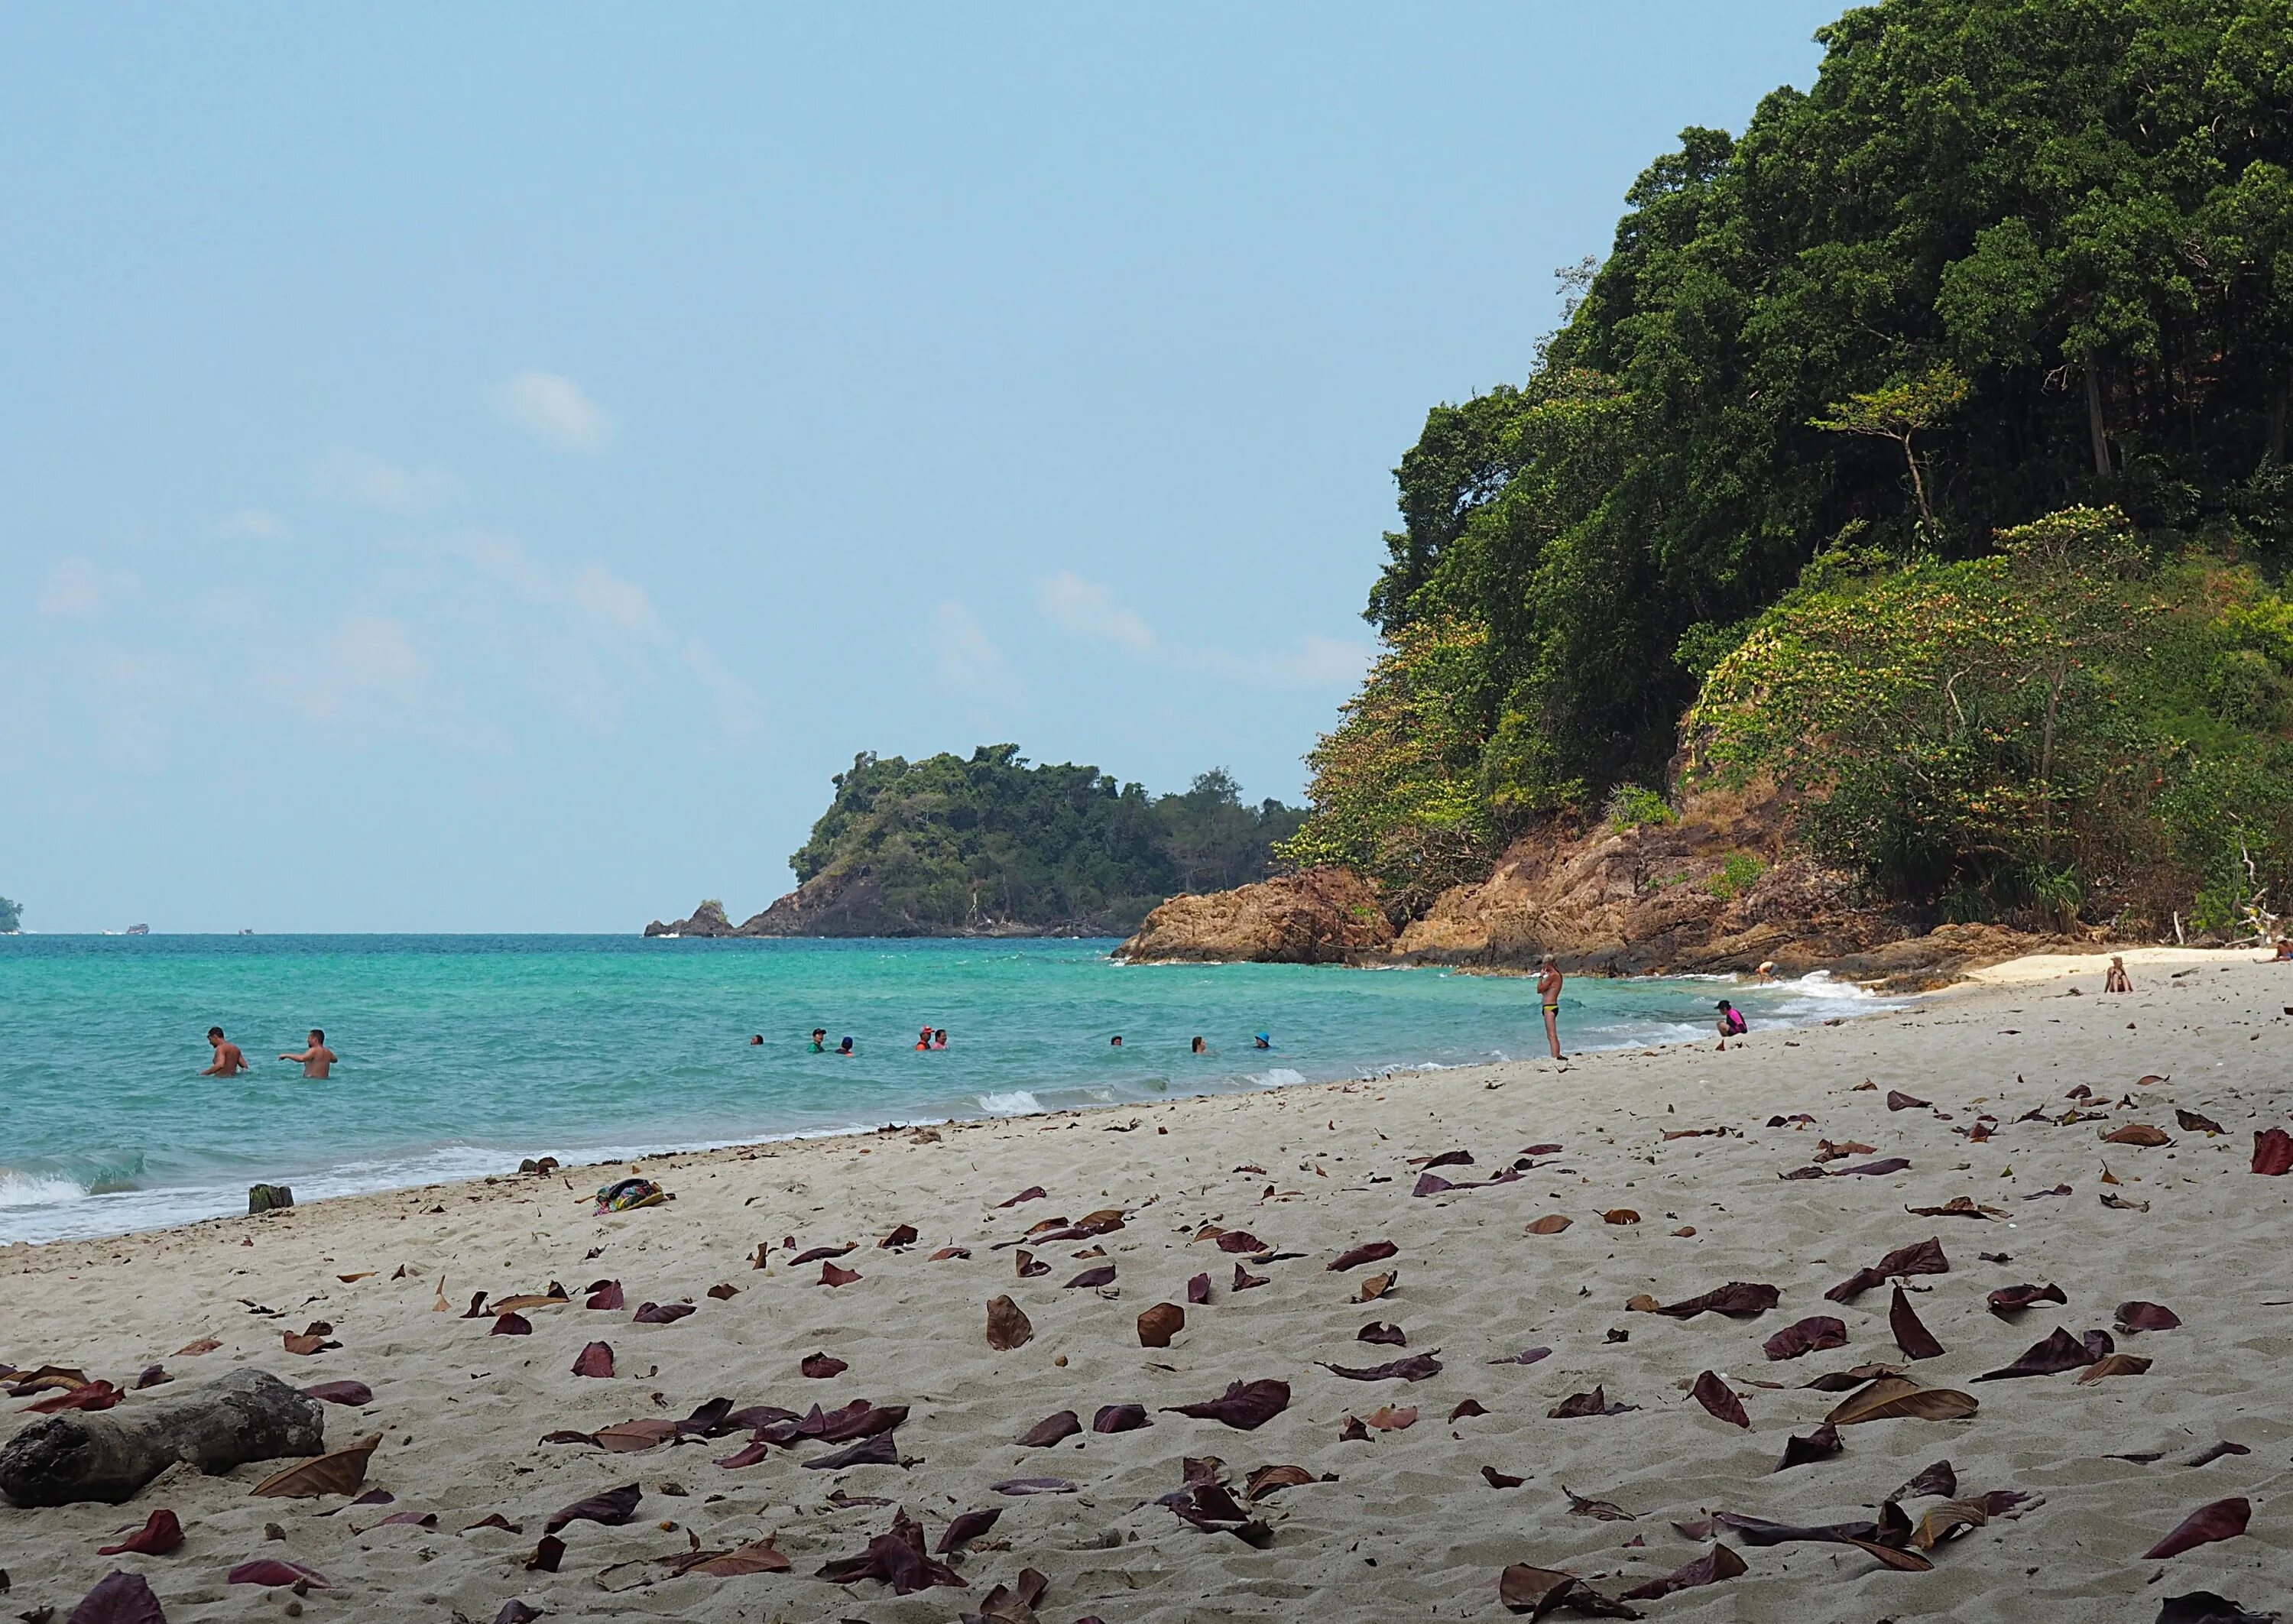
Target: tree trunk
column 2276, row 451
column 2094, row 420
column 107, row 1455
column 1920, row 489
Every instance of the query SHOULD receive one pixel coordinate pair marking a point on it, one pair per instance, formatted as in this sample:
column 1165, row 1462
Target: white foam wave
column 1017, row 1103
column 1280, row 1077
column 37, row 1188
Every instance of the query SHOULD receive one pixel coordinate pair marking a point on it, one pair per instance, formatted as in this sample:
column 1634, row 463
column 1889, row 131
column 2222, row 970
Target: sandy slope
column 1409, row 1529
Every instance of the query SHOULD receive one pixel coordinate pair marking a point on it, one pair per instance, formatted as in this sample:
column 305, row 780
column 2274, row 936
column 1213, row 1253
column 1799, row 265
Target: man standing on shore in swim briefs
column 317, row 1058
column 1548, row 987
column 228, row 1060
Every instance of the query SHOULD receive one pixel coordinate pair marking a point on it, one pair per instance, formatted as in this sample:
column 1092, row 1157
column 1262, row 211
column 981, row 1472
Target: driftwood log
column 107, row 1455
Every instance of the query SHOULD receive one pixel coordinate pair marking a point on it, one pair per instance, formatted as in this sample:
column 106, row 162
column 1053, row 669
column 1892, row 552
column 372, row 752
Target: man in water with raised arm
column 228, row 1060
column 317, row 1058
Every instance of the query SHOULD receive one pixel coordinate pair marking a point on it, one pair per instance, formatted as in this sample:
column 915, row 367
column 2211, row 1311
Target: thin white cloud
column 367, row 660
column 80, row 589
column 1087, row 608
column 599, row 594
column 739, row 711
column 969, row 659
column 258, row 524
column 367, row 481
column 554, row 407
column 1313, row 662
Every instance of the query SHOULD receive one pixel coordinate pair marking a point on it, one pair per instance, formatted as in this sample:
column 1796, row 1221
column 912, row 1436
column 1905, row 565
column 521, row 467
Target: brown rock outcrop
column 708, row 920
column 1319, row 916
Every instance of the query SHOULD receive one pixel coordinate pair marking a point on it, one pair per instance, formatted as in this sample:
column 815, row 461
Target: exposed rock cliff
column 708, row 920
column 846, row 905
column 1322, row 915
column 1721, row 889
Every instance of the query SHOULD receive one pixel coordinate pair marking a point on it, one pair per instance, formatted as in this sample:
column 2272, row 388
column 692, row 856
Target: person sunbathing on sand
column 318, row 1059
column 228, row 1060
column 2117, row 981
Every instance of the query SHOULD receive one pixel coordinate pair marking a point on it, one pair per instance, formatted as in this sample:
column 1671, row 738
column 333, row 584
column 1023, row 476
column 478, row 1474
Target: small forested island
column 1885, row 556
column 12, row 916
column 998, row 845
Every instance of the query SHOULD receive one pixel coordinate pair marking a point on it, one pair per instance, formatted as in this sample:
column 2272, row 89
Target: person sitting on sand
column 2117, row 981
column 228, row 1060
column 1732, row 1023
column 2284, row 953
column 1548, row 987
column 844, row 1048
column 317, row 1058
column 819, row 1040
column 939, row 1038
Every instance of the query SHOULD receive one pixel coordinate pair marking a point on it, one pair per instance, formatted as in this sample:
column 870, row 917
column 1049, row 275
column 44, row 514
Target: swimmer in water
column 317, row 1058
column 756, row 1040
column 228, row 1060
column 819, row 1040
column 923, row 1039
column 1200, row 1047
column 1261, row 1042
column 939, row 1038
column 844, row 1048
column 1114, row 1042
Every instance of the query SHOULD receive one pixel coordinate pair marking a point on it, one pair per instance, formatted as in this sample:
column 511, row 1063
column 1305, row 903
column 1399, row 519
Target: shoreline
column 1675, row 1135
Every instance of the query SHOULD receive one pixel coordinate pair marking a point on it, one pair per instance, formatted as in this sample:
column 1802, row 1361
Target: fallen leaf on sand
column 2137, row 1133
column 2190, row 1122
column 2205, row 1607
column 1416, row 1368
column 948, row 1252
column 2014, row 1299
column 1243, row 1280
column 1607, row 1511
column 757, row 1557
column 1911, row 1335
column 1552, row 1224
column 605, row 1293
column 193, row 1350
column 2114, row 1364
column 1892, row 1398
column 1210, row 1507
column 1958, row 1206
column 820, row 1367
column 879, row 1450
column 1820, row 1444
column 2221, row 1520
column 904, row 1235
column 814, row 1254
column 1922, row 1257
column 356, row 1394
column 2140, row 1316
column 1468, row 1407
column 1158, row 1325
column 1717, row 1563
column 1267, row 1479
column 1716, row 1396
column 1873, row 1169
column 1007, row 1326
column 1120, row 1418
column 314, row 1340
column 119, row 1597
column 1897, row 1100
column 1243, row 1405
column 2058, row 1353
column 1051, row 1429
column 161, row 1535
column 1092, row 1277
column 1737, row 1300
column 1375, row 1287
column 1386, row 1336
column 1027, row 1265
column 831, row 1275
column 669, row 1314
column 1502, row 1480
column 611, row 1508
column 340, row 1473
column 2123, row 1205
column 723, row 1292
column 269, row 1570
column 897, row 1557
column 1034, row 1485
column 1198, row 1289
column 630, row 1437
column 1388, row 1419
column 2272, row 1151
column 1579, row 1405
column 1537, row 1591
column 495, row 1520
column 2209, row 1457
column 966, row 1526
column 1374, row 1251
column 1621, row 1214
column 1033, row 1192
column 1810, row 1336
column 1941, row 1478
column 547, row 1553
column 1241, row 1240
column 508, row 1325
column 594, row 1360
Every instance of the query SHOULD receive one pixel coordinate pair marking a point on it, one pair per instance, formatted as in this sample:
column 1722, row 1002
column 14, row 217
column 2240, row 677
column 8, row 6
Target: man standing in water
column 317, row 1058
column 1548, row 989
column 228, row 1060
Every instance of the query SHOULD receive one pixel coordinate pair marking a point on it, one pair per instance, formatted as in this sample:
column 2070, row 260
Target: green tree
column 1901, row 411
column 11, row 915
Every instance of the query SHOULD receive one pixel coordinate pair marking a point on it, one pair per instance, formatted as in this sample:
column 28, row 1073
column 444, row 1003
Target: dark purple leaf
column 660, row 1313
column 1502, row 1480
column 1527, row 1356
column 512, row 1325
column 2272, row 1151
column 353, row 1394
column 1810, row 1336
column 594, row 1360
column 1244, row 1280
column 1416, row 1368
column 820, row 1367
column 1371, row 1251
column 1198, row 1289
column 1911, row 1335
column 1243, row 1405
column 1101, row 1276
column 967, row 1526
column 1897, row 1100
column 1941, row 1478
column 1051, row 1429
column 2139, row 1316
column 1716, row 1396
column 2221, row 1520
column 2058, row 1353
column 119, row 1597
column 1820, row 1444
column 1924, row 1258
column 879, row 1451
column 2014, row 1299
column 1738, row 1300
column 161, row 1535
column 820, row 1252
column 613, row 1507
column 605, row 1293
column 897, row 1557
column 1120, row 1418
column 1717, row 1563
column 1241, row 1240
column 269, row 1570
column 1389, row 1336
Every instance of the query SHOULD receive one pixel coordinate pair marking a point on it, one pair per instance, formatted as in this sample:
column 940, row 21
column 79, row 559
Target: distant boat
column 137, row 930
column 246, row 931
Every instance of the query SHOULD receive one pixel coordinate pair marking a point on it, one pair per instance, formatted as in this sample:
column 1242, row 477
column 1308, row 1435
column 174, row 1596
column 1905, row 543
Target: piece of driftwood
column 107, row 1455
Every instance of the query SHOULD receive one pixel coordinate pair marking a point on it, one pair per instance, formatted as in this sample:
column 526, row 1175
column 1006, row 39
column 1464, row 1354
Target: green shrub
column 1632, row 806
column 1737, row 875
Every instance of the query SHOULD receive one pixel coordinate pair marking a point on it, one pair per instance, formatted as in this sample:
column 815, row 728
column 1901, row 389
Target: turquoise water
column 460, row 1055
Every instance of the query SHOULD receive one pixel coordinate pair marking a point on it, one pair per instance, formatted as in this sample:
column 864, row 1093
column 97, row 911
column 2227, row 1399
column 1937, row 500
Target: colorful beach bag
column 630, row 1194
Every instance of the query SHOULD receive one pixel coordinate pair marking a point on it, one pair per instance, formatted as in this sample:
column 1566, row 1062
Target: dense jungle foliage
column 959, row 843
column 2006, row 259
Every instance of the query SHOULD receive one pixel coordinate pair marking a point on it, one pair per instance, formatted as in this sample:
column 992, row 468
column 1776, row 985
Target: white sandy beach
column 1401, row 1525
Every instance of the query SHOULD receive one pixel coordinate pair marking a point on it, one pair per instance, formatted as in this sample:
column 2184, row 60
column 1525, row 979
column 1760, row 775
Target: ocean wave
column 1280, row 1077
column 38, row 1188
column 1016, row 1102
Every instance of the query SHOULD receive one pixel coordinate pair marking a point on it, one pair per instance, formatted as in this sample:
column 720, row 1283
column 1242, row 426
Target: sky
column 487, row 469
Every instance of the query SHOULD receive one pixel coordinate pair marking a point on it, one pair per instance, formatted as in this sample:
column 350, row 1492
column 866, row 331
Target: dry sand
column 1404, row 1526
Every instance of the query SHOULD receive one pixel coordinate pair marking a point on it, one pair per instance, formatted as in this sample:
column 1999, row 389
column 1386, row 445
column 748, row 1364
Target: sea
column 462, row 1054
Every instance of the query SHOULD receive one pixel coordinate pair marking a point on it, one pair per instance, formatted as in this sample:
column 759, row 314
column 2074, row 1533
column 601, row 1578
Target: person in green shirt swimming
column 819, row 1040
